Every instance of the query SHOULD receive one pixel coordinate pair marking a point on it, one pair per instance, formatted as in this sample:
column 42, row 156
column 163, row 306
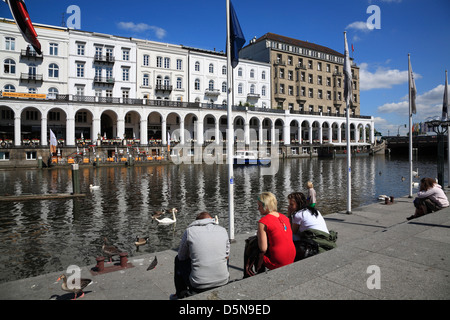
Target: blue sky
column 418, row 27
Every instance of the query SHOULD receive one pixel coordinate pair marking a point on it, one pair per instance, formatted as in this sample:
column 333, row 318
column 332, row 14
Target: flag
column 348, row 92
column 22, row 18
column 445, row 103
column 412, row 87
column 53, row 142
column 353, row 49
column 237, row 39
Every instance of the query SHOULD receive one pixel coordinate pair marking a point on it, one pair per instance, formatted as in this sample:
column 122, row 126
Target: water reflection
column 49, row 235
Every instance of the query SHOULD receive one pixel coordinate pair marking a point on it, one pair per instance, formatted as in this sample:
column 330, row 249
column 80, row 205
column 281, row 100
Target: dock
column 379, row 256
column 46, row 196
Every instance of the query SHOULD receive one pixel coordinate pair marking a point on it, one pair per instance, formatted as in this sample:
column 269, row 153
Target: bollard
column 392, row 199
column 123, row 259
column 100, row 264
column 75, row 179
column 40, row 162
column 386, row 200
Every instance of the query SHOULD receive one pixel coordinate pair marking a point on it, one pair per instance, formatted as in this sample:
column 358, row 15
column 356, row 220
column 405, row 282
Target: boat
column 249, row 157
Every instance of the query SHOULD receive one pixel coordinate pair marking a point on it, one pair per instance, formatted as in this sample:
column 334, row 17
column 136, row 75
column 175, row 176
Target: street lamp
column 398, row 129
column 439, row 127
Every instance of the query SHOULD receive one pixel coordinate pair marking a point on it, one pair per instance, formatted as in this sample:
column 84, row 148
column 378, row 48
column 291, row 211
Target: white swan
column 166, row 221
column 92, row 187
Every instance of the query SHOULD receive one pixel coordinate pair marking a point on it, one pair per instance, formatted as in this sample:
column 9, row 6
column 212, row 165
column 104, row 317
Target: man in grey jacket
column 202, row 260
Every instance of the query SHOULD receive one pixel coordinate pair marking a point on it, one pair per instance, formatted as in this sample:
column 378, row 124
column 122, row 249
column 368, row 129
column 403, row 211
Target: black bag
column 305, row 248
column 251, row 256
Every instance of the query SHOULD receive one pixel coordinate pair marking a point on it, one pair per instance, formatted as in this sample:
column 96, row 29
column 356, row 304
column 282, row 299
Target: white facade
column 161, row 71
column 208, row 80
column 23, row 70
column 101, row 65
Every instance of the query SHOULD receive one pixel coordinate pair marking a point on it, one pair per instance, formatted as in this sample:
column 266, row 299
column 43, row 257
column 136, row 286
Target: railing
column 104, row 80
column 30, row 54
column 176, row 104
column 102, row 58
column 31, row 77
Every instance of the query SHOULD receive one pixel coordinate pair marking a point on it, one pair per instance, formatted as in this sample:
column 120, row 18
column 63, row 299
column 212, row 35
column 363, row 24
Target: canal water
column 49, row 235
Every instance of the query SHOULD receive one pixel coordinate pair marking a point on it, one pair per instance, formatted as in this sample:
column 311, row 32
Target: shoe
column 411, row 217
column 173, row 297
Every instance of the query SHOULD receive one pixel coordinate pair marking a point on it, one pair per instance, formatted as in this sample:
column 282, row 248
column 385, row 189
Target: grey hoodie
column 208, row 247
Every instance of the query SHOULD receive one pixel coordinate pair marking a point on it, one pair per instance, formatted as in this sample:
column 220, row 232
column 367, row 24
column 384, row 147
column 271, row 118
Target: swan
column 382, row 197
column 166, row 221
column 92, row 187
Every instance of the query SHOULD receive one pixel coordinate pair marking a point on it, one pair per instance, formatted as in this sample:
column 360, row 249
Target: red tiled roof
column 299, row 43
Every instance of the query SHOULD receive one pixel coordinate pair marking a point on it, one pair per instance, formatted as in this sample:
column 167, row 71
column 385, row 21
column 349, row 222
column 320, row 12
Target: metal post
column 75, row 179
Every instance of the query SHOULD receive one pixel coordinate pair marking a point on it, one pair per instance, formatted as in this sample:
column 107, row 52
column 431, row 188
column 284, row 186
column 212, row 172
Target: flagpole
column 348, row 100
column 410, row 129
column 230, row 132
column 445, row 103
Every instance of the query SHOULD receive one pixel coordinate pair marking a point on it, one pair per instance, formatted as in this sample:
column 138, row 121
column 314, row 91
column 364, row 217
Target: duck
column 110, row 250
column 167, row 221
column 83, row 284
column 92, row 187
column 140, row 241
column 158, row 214
column 416, row 173
column 415, row 184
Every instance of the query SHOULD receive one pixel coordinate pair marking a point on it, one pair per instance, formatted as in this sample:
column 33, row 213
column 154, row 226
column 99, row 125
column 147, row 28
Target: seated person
column 202, row 260
column 274, row 235
column 430, row 198
column 308, row 223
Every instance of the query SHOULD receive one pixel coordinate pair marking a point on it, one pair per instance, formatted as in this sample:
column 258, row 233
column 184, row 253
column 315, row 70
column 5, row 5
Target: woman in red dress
column 274, row 235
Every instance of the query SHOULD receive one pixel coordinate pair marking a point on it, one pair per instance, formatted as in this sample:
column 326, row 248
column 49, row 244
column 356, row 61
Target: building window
column 166, row 81
column 80, row 91
column 291, row 90
column 224, row 70
column 211, row 68
column 179, row 83
column 252, row 74
column 240, row 72
column 281, row 89
column 263, row 75
column 4, row 156
column 80, row 70
column 310, row 64
column 126, row 55
column 9, row 66
column 146, row 59
column 319, row 66
column 197, row 66
column 310, row 93
column 53, row 71
column 53, row 92
column 10, row 43
column 9, row 88
column 167, row 63
column 125, row 94
column 54, row 116
column 179, row 64
column 211, row 85
column 145, row 80
column 53, row 49
column 252, row 89
column 31, row 155
column 159, row 62
column 125, row 74
column 197, row 84
column 32, row 90
column 80, row 49
column 263, row 91
column 224, row 87
column 319, row 80
column 240, row 88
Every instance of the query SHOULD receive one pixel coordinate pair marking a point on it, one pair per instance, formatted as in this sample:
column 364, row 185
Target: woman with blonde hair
column 274, row 235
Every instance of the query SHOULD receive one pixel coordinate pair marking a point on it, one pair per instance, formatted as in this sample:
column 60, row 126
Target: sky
column 382, row 32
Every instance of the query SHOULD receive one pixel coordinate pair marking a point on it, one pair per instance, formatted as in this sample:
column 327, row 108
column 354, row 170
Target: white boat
column 245, row 157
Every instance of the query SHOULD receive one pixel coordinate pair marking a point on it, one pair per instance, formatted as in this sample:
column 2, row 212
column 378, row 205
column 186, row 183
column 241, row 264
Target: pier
column 412, row 258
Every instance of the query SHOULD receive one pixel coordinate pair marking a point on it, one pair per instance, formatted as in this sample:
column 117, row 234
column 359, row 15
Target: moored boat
column 249, row 157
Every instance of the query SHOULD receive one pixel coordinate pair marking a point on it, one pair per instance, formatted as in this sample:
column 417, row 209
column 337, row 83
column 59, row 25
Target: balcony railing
column 163, row 87
column 31, row 77
column 30, row 54
column 104, row 80
column 102, row 58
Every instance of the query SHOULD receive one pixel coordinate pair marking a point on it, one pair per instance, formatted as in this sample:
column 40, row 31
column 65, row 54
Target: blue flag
column 237, row 39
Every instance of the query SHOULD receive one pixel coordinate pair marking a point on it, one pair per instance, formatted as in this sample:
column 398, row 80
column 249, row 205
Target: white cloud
column 382, row 78
column 358, row 26
column 427, row 104
column 142, row 27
